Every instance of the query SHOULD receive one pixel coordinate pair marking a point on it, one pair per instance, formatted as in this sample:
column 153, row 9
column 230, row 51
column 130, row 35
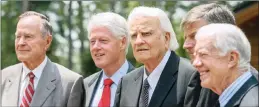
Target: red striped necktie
column 29, row 91
column 106, row 96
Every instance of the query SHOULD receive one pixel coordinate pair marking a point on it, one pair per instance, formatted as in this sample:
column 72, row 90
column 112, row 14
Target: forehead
column 33, row 21
column 191, row 28
column 100, row 31
column 29, row 24
column 205, row 43
column 144, row 23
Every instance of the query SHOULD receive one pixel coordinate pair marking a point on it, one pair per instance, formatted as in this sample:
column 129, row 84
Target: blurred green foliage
column 81, row 11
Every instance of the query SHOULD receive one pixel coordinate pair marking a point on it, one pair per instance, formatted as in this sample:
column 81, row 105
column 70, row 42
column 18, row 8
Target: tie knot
column 108, row 82
column 31, row 75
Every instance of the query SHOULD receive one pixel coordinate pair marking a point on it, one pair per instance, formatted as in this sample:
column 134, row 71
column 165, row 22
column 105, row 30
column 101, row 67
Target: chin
column 22, row 58
column 205, row 85
column 100, row 65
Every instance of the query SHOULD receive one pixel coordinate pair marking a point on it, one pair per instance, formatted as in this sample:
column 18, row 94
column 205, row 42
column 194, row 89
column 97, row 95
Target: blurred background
column 69, row 19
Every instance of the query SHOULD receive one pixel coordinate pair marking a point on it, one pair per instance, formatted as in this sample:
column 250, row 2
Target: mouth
column 141, row 50
column 99, row 55
column 22, row 50
column 204, row 74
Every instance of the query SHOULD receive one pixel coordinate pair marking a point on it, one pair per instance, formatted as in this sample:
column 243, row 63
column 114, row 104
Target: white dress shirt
column 25, row 79
column 115, row 78
column 233, row 88
column 155, row 75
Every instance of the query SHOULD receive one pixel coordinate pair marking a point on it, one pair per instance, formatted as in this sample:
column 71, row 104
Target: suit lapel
column 236, row 99
column 166, row 81
column 46, row 84
column 136, row 86
column 12, row 93
column 92, row 87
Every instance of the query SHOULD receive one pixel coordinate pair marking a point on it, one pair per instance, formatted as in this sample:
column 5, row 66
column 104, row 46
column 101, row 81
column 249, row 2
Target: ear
column 123, row 43
column 233, row 59
column 48, row 41
column 167, row 39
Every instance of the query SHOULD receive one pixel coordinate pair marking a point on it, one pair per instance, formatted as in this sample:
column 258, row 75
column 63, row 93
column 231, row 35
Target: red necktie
column 106, row 96
column 29, row 91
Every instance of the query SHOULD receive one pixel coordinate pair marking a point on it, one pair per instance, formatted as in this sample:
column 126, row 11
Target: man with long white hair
column 222, row 56
column 164, row 78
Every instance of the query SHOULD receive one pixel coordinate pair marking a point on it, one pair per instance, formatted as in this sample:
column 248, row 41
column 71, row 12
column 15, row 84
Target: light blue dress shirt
column 233, row 88
column 115, row 78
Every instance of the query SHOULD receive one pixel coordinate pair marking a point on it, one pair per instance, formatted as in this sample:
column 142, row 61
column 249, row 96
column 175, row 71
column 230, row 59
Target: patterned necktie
column 29, row 92
column 145, row 94
column 106, row 96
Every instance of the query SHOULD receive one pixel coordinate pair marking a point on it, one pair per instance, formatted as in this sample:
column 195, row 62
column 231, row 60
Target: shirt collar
column 155, row 75
column 37, row 71
column 118, row 74
column 233, row 88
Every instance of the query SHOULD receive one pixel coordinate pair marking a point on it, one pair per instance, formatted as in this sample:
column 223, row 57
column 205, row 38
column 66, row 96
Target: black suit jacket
column 170, row 89
column 91, row 84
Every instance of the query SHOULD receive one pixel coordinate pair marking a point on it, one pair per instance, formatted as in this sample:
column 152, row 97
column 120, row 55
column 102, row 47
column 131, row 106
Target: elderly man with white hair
column 222, row 57
column 164, row 78
column 108, row 35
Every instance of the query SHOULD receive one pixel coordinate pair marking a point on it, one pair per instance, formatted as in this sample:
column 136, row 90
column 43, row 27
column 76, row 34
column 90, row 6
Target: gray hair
column 112, row 21
column 211, row 13
column 46, row 27
column 165, row 22
column 226, row 38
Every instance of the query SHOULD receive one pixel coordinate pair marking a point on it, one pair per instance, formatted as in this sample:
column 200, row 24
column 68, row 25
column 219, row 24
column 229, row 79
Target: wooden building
column 247, row 19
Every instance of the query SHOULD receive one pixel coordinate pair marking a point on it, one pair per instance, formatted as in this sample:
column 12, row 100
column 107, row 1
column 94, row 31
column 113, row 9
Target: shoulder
column 186, row 67
column 11, row 70
column 250, row 98
column 89, row 78
column 67, row 74
column 133, row 73
column 185, row 64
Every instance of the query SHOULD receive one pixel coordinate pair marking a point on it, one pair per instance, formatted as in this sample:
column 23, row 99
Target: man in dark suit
column 222, row 56
column 197, row 17
column 164, row 78
column 37, row 81
column 109, row 40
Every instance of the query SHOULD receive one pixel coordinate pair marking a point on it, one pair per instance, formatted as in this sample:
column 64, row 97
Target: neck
column 111, row 69
column 227, row 81
column 151, row 64
column 34, row 63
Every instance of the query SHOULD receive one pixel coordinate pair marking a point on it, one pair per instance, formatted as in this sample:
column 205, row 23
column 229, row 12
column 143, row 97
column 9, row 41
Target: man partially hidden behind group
column 196, row 18
column 37, row 81
column 222, row 56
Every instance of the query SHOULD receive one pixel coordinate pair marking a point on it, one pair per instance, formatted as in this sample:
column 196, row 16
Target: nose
column 21, row 41
column 139, row 40
column 188, row 45
column 196, row 62
column 96, row 45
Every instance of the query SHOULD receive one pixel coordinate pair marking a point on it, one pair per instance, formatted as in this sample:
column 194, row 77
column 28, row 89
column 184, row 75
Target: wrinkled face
column 212, row 67
column 29, row 42
column 148, row 40
column 189, row 35
column 105, row 48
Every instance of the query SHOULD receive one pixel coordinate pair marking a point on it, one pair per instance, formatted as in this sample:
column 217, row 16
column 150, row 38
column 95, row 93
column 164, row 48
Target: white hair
column 113, row 22
column 227, row 38
column 165, row 23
